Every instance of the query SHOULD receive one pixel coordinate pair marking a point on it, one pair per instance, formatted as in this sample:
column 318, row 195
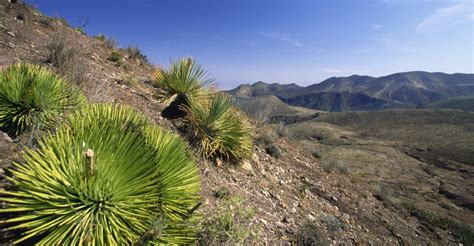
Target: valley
column 424, row 156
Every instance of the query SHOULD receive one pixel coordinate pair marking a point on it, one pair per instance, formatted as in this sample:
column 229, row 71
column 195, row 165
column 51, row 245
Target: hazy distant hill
column 462, row 103
column 356, row 92
column 265, row 107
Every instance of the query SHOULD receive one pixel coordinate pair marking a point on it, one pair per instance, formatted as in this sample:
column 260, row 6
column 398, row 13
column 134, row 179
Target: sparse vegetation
column 129, row 80
column 332, row 223
column 330, row 165
column 109, row 43
column 281, row 130
column 385, row 194
column 105, row 177
column 464, row 232
column 228, row 223
column 101, row 37
column 267, row 135
column 67, row 59
column 310, row 235
column 114, row 57
column 32, row 96
column 135, row 53
column 273, row 151
column 219, row 129
column 60, row 52
column 222, row 192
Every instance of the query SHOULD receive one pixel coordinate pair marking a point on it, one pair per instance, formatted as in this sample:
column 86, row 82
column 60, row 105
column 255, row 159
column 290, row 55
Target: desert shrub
column 317, row 154
column 273, row 151
column 136, row 54
column 101, row 37
column 309, row 234
column 281, row 130
column 81, row 30
column 463, row 232
column 34, row 96
column 219, row 129
column 184, row 77
column 59, row 51
column 330, row 165
column 67, row 58
column 332, row 223
column 105, row 177
column 222, row 192
column 45, row 21
column 109, row 43
column 228, row 223
column 385, row 194
column 267, row 135
column 114, row 57
column 20, row 17
column 129, row 80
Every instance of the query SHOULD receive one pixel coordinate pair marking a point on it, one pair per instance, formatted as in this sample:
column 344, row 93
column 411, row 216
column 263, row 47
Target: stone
column 11, row 34
column 246, row 166
column 218, row 162
column 287, row 220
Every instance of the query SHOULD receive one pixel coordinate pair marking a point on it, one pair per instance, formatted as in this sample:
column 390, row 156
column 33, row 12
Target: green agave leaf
column 219, row 128
column 32, row 95
column 101, row 179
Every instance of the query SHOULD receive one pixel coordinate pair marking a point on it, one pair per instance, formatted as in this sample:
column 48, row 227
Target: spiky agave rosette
column 31, row 95
column 184, row 77
column 104, row 178
column 219, row 129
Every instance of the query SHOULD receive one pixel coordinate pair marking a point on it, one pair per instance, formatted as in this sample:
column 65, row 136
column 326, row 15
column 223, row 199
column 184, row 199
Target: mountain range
column 366, row 93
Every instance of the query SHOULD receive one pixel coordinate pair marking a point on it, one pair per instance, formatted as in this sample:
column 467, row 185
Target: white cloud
column 448, row 16
column 285, row 37
column 331, row 70
column 248, row 43
column 376, row 27
column 360, row 51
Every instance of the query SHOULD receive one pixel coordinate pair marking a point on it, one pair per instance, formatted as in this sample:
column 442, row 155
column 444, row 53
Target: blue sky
column 292, row 41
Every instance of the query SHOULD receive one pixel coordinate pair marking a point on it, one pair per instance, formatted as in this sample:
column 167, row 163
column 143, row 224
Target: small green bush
column 219, row 129
column 136, row 54
column 310, row 235
column 101, row 37
column 267, row 135
column 129, row 80
column 463, row 232
column 273, row 151
column 114, row 57
column 104, row 178
column 34, row 96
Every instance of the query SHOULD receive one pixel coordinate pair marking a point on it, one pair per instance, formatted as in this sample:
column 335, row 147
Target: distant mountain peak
column 405, row 89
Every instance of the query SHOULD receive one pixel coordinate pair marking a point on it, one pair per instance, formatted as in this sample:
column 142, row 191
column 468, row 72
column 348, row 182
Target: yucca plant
column 104, row 178
column 34, row 96
column 219, row 129
column 182, row 82
column 183, row 77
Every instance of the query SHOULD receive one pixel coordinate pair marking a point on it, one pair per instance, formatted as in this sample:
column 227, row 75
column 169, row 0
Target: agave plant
column 183, row 77
column 219, row 129
column 104, row 178
column 34, row 96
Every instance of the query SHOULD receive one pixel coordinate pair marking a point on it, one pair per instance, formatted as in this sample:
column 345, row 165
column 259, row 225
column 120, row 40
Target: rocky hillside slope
column 293, row 198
